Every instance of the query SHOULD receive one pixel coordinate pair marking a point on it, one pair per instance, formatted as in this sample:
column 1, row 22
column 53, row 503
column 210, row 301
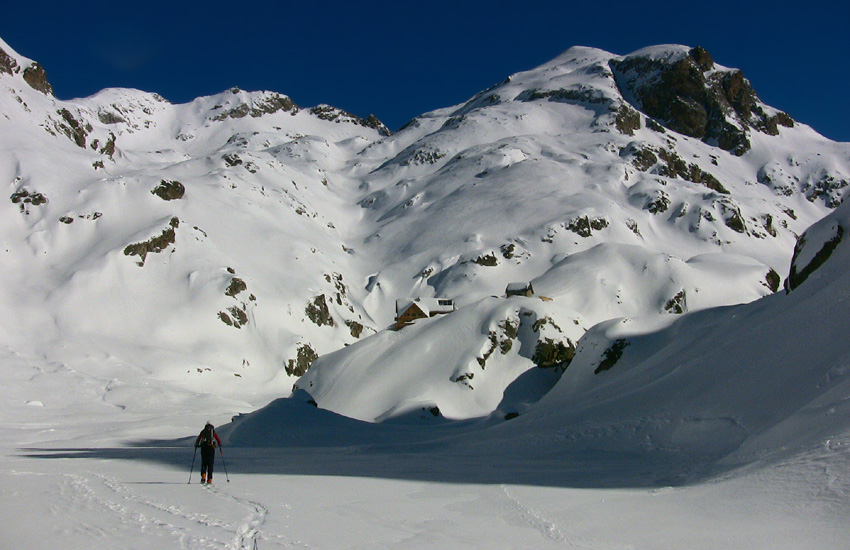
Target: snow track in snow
column 197, row 523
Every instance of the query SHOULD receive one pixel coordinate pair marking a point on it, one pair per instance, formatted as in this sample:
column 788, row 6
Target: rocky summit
column 228, row 243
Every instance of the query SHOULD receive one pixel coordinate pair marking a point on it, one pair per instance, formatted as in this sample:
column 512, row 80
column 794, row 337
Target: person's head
column 209, row 424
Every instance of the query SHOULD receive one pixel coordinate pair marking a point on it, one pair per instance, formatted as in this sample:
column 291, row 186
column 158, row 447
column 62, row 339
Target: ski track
column 546, row 528
column 188, row 528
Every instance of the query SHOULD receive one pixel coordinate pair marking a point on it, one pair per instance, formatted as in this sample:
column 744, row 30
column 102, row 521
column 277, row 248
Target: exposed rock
column 266, row 105
column 677, row 304
column 691, row 97
column 551, row 353
column 155, row 244
column 488, row 260
column 72, row 128
column 272, row 104
column 627, row 120
column 169, row 190
column 109, row 117
column 591, row 96
column 772, row 280
column 702, row 58
column 827, row 187
column 355, row 328
column 659, row 204
column 35, row 76
column 236, row 286
column 798, row 275
column 317, row 311
column 24, row 197
column 422, row 156
column 372, row 122
column 8, row 64
column 333, row 114
column 584, row 225
column 642, row 157
column 237, row 318
column 611, row 355
column 109, row 147
column 301, row 364
column 675, row 167
column 732, row 216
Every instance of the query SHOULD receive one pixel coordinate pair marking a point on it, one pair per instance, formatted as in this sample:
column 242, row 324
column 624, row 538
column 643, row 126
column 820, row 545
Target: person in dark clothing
column 207, row 441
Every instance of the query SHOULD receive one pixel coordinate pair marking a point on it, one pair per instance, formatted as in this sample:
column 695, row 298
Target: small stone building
column 519, row 289
column 407, row 311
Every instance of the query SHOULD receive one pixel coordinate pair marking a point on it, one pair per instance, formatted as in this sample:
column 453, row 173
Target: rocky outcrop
column 611, row 355
column 690, row 96
column 169, row 190
column 799, row 273
column 33, row 74
column 317, row 311
column 303, row 359
column 334, row 114
column 155, row 244
column 268, row 104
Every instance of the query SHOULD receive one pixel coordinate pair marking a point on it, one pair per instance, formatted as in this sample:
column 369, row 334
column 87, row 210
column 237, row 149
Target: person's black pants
column 207, row 459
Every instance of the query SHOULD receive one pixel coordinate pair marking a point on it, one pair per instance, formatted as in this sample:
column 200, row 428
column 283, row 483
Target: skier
column 207, row 441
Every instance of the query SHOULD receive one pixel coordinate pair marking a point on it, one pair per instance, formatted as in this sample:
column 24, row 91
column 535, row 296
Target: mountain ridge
column 297, row 229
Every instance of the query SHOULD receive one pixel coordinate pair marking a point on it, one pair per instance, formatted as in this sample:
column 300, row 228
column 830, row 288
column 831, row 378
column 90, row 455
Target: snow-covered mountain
column 677, row 379
column 226, row 243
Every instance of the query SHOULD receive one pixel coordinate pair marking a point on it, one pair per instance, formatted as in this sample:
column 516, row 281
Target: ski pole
column 223, row 464
column 193, row 464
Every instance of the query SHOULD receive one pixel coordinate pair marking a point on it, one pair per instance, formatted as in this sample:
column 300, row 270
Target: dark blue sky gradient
column 398, row 60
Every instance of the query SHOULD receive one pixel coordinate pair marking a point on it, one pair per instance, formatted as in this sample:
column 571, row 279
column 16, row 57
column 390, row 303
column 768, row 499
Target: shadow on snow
column 291, row 437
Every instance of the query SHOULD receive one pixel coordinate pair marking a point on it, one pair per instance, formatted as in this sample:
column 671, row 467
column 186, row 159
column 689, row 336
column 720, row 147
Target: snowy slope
column 744, row 383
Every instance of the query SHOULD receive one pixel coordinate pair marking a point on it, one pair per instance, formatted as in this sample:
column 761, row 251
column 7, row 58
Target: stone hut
column 519, row 289
column 407, row 311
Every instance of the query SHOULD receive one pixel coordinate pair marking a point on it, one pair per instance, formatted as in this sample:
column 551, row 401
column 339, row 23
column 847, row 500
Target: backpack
column 207, row 436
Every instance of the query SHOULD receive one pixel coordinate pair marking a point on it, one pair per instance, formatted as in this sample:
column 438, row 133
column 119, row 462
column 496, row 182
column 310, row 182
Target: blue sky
column 398, row 60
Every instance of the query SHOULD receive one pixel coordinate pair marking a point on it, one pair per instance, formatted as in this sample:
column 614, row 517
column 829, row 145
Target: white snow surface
column 727, row 426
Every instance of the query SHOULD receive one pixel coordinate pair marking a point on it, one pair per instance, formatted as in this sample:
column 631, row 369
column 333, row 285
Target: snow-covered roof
column 427, row 305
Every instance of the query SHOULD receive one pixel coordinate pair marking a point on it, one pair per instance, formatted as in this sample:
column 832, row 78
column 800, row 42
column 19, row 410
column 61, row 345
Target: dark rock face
column 798, row 273
column 169, row 190
column 263, row 106
column 304, row 359
column 317, row 311
column 373, row 122
column 35, row 76
column 333, row 114
column 677, row 304
column 551, row 354
column 155, row 244
column 675, row 167
column 627, row 120
column 611, row 355
column 236, row 286
column 689, row 97
column 73, row 128
column 7, row 64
